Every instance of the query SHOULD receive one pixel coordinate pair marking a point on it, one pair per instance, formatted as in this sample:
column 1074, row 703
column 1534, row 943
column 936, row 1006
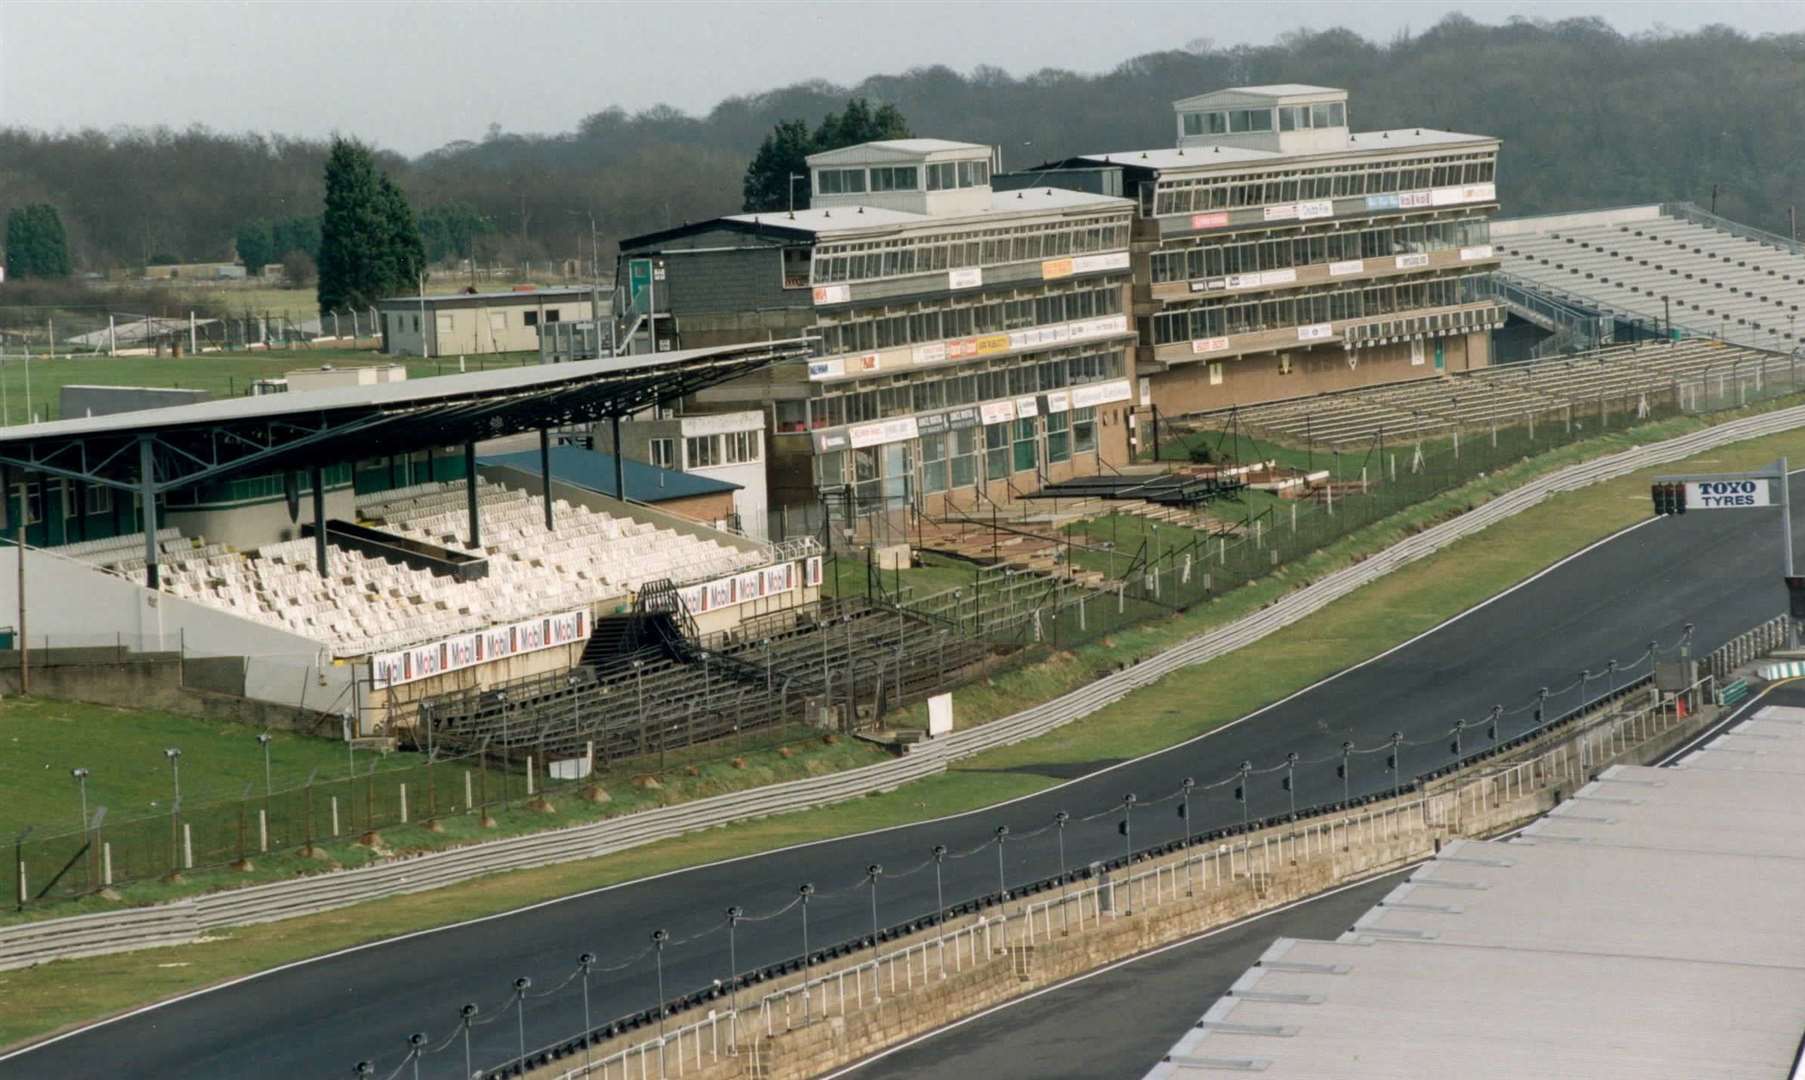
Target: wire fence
column 1617, row 698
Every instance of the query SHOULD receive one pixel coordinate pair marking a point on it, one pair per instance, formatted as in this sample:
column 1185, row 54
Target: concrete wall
column 251, row 525
column 736, row 276
column 206, row 689
column 1190, row 388
column 69, row 603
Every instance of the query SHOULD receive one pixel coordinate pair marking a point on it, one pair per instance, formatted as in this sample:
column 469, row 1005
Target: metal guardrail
column 35, row 942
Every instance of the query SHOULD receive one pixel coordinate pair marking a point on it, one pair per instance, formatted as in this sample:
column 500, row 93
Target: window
column 933, row 463
column 1218, row 123
column 702, row 451
column 996, row 451
column 100, row 500
column 1193, row 123
column 416, row 324
column 529, row 318
column 34, row 503
column 839, row 181
column 1084, row 430
column 1287, row 119
column 553, row 315
column 899, row 178
column 1025, row 456
column 1059, row 439
column 741, row 446
column 964, row 469
column 663, row 453
column 1337, row 114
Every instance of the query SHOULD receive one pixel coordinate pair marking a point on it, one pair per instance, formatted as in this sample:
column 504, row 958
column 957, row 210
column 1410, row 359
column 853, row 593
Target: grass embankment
column 222, row 374
column 1180, row 706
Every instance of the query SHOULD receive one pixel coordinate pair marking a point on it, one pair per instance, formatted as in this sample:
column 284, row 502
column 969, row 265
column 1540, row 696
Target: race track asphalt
column 1719, row 571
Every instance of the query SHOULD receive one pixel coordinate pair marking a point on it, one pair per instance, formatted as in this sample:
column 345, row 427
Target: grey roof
column 1208, row 156
column 397, row 395
column 896, row 148
column 594, row 470
column 1648, row 927
column 1271, row 90
column 524, row 295
column 1003, row 204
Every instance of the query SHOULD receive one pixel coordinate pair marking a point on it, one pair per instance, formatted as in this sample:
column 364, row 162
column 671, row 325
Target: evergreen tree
column 363, row 251
column 255, row 248
column 35, row 243
column 296, row 234
column 785, row 151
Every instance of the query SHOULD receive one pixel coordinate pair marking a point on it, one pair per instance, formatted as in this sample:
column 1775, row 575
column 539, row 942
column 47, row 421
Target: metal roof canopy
column 192, row 444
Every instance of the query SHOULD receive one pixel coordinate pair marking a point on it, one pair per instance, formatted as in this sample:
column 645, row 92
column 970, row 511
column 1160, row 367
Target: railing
column 1698, row 215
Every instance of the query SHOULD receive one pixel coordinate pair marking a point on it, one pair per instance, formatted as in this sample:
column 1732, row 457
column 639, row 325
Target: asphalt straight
column 1719, row 571
column 1118, row 1022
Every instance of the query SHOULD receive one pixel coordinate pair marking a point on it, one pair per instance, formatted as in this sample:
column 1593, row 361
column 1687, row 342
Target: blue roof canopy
column 594, row 470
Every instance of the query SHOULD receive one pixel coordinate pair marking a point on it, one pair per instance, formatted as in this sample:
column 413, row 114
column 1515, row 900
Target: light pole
column 174, row 754
column 1291, row 780
column 1128, row 801
column 1184, row 808
column 807, row 890
column 734, row 914
column 586, row 961
column 1241, row 792
column 81, row 781
column 1347, row 749
column 1397, row 766
column 1002, row 835
column 872, row 873
column 659, row 938
column 416, row 1045
column 521, row 986
column 467, row 1013
column 1059, row 821
column 939, row 893
column 364, row 1068
column 264, row 740
column 1459, row 727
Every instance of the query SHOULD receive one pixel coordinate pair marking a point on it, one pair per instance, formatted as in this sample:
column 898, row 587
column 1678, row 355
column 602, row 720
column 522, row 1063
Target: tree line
column 1589, row 117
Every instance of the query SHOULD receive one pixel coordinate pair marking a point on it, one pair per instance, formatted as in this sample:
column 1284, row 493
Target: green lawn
column 222, row 374
column 41, row 740
column 1182, row 705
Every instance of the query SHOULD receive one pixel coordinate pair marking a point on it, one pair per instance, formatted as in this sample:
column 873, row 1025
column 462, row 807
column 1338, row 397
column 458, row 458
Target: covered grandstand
column 1665, row 269
column 454, row 588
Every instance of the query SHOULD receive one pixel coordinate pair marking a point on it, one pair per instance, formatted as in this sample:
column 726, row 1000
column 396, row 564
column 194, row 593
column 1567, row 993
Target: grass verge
column 1354, row 628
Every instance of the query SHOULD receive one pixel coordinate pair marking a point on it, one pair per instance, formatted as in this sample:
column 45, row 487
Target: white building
column 725, row 446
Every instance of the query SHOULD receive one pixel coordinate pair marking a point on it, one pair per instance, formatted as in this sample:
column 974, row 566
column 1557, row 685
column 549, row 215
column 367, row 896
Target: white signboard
column 996, row 412
column 1412, row 262
column 1315, row 332
column 1199, row 346
column 967, row 277
column 1026, row 407
column 1321, row 209
column 468, row 650
column 940, row 714
column 1726, row 494
column 1084, row 397
column 1468, row 254
column 1346, row 266
column 833, row 294
column 883, row 431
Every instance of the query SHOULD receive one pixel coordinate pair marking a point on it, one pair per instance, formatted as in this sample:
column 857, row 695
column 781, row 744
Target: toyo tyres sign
column 1726, row 494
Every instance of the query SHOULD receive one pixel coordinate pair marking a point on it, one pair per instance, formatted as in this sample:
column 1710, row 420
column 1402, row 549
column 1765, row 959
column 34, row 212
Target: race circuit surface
column 1118, row 1022
column 1719, row 570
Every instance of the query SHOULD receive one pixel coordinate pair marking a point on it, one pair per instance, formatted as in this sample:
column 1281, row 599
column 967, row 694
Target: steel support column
column 476, row 525
column 620, row 458
column 545, row 472
column 147, row 494
column 318, row 477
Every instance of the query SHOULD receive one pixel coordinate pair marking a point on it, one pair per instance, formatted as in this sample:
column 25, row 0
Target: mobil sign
column 1723, row 494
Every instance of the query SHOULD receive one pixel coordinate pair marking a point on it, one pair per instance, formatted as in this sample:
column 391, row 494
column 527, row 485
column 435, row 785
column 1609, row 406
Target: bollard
column 263, row 830
column 24, row 891
column 529, row 775
column 106, row 864
column 335, row 815
column 404, row 804
column 469, row 799
column 187, row 846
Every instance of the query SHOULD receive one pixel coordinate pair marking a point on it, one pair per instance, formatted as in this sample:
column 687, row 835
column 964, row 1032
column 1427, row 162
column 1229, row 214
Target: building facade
column 972, row 343
column 1279, row 253
column 471, row 324
column 723, row 446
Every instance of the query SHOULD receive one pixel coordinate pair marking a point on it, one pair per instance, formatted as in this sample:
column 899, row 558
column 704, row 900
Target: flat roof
column 562, row 291
column 1216, row 156
column 896, row 147
column 851, row 219
column 1270, row 90
column 273, row 432
column 594, row 471
column 1647, row 927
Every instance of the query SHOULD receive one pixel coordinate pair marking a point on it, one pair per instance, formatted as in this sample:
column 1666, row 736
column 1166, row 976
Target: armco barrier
column 34, row 942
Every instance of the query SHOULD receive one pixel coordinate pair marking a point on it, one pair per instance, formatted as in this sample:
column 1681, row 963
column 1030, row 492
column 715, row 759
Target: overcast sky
column 414, row 76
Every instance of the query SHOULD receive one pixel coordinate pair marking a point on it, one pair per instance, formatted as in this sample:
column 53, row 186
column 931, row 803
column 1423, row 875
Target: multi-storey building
column 1277, row 252
column 972, row 343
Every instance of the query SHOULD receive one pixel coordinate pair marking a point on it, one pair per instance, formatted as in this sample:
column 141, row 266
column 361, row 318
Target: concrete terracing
column 1646, row 928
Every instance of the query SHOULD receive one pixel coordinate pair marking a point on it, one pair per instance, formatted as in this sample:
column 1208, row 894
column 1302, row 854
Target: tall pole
column 939, row 892
column 659, row 938
column 467, row 1012
column 586, row 961
column 24, row 635
column 319, row 520
column 734, row 914
column 1792, row 625
column 807, row 890
column 521, row 986
column 1002, row 835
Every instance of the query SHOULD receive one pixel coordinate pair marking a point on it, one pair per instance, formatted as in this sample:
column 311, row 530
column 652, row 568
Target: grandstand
column 1670, row 266
column 1633, row 377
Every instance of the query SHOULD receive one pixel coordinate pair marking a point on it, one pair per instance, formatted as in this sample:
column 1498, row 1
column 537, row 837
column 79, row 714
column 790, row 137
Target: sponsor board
column 1347, row 266
column 833, row 294
column 1199, row 346
column 1448, row 196
column 929, row 354
column 1256, row 280
column 748, row 586
column 1413, row 200
column 1026, row 407
column 1726, row 494
column 996, row 412
column 1412, row 262
column 1315, row 332
column 1103, row 393
column 881, row 431
column 1382, row 202
column 969, row 277
column 479, row 647
column 826, row 369
column 1281, row 212
column 1083, row 264
column 1209, row 221
column 1318, row 209
column 1059, row 401
column 1468, row 254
